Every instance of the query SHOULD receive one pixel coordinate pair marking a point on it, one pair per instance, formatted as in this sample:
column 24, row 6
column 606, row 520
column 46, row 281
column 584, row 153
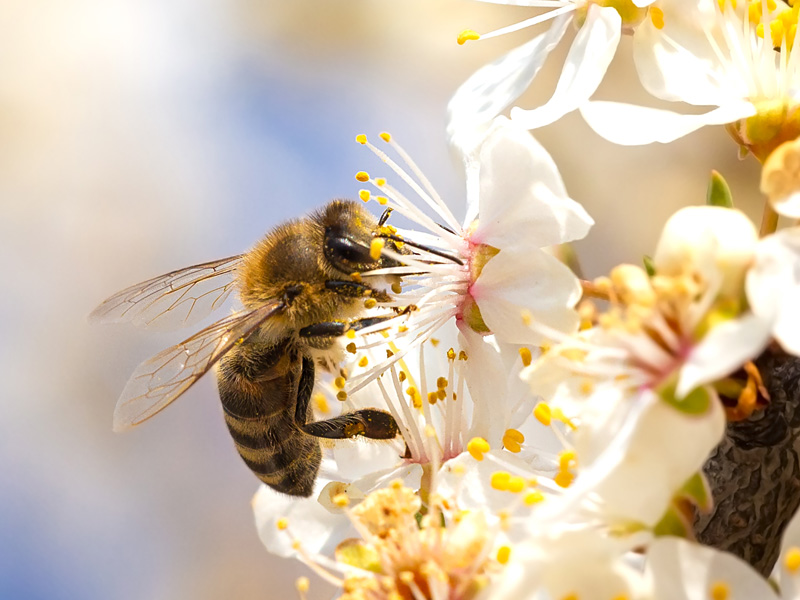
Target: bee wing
column 161, row 379
column 173, row 300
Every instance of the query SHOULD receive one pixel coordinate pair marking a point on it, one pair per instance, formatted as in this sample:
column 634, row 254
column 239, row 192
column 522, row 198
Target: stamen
column 467, row 35
column 792, row 560
column 362, row 176
column 477, row 447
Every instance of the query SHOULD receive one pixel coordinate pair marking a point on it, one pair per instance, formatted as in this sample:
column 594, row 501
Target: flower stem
column 769, row 220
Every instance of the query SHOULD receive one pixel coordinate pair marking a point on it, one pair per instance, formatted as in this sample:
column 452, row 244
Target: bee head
column 354, row 240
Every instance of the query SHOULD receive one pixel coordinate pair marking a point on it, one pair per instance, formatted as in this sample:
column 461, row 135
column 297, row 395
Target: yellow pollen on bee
column 361, row 138
column 503, row 554
column 356, row 276
column 719, row 591
column 282, row 524
column 526, row 356
column 397, row 287
column 370, row 303
column 341, row 396
column 341, row 500
column 376, row 247
column 477, row 447
column 351, row 348
column 466, row 36
column 321, row 403
column 365, row 195
column 533, row 497
column 362, row 176
column 657, row 17
column 543, row 413
column 386, row 137
column 363, row 361
column 512, row 440
column 792, row 559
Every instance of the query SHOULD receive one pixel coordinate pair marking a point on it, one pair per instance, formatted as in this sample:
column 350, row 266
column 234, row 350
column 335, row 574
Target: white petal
column 523, row 202
column 665, row 449
column 584, row 68
column 631, row 125
column 319, row 530
column 788, row 206
column 722, row 351
column 513, row 282
column 682, row 570
column 789, row 581
column 493, row 87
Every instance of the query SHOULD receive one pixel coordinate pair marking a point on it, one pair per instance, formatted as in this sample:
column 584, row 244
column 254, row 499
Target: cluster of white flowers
column 553, row 431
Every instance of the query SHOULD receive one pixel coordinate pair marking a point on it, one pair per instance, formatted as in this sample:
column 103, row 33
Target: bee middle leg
column 328, row 329
column 368, row 422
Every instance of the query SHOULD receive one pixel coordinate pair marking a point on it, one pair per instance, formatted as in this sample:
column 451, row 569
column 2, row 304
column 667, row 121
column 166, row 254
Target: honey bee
column 301, row 288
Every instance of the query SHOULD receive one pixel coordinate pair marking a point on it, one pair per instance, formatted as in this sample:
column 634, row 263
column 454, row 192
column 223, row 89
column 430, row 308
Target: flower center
column 630, row 14
column 777, row 121
column 470, row 313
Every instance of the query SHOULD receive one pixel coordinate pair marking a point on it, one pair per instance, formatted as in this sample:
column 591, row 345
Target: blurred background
column 140, row 136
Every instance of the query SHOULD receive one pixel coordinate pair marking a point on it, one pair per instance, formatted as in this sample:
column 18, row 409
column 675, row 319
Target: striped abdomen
column 261, row 388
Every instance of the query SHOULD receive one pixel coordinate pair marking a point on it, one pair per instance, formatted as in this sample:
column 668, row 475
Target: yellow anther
column 361, row 138
column 559, row 415
column 341, row 500
column 564, row 479
column 527, row 318
column 380, row 181
column 526, row 356
column 516, row 484
column 376, row 247
column 341, row 396
column 477, row 447
column 397, row 287
column 365, row 195
column 467, row 35
column 382, row 200
column 401, row 376
column 657, row 17
column 533, row 497
column 512, row 440
column 351, row 334
column 282, row 524
column 412, row 391
column 543, row 413
column 792, row 559
column 442, row 394
column 321, row 403
column 356, row 276
column 370, row 303
column 389, row 354
column 339, row 383
column 462, row 355
column 441, row 383
column 503, row 554
column 566, row 459
column 302, row 584
column 363, row 361
column 433, row 397
column 407, row 577
column 351, row 348
column 586, row 387
column 386, row 137
column 362, row 176
column 451, row 354
column 500, row 479
column 385, row 334
column 459, row 470
column 297, row 544
column 719, row 591
column 434, row 342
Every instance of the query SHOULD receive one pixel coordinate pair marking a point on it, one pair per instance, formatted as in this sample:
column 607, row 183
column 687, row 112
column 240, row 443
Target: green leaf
column 719, row 193
column 649, row 266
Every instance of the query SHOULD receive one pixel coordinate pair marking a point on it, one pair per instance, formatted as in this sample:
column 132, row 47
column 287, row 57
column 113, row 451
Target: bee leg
column 339, row 328
column 369, row 422
column 352, row 289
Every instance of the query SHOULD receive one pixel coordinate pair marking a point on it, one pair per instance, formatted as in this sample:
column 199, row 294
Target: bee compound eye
column 345, row 253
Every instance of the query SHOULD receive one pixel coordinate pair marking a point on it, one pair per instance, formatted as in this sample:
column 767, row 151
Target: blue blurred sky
column 139, row 136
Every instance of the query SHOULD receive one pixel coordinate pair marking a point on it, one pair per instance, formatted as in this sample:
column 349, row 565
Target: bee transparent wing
column 173, row 300
column 161, row 379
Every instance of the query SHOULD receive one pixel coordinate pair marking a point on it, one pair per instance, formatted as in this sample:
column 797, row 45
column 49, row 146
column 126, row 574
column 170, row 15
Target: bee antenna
column 434, row 251
column 385, row 217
